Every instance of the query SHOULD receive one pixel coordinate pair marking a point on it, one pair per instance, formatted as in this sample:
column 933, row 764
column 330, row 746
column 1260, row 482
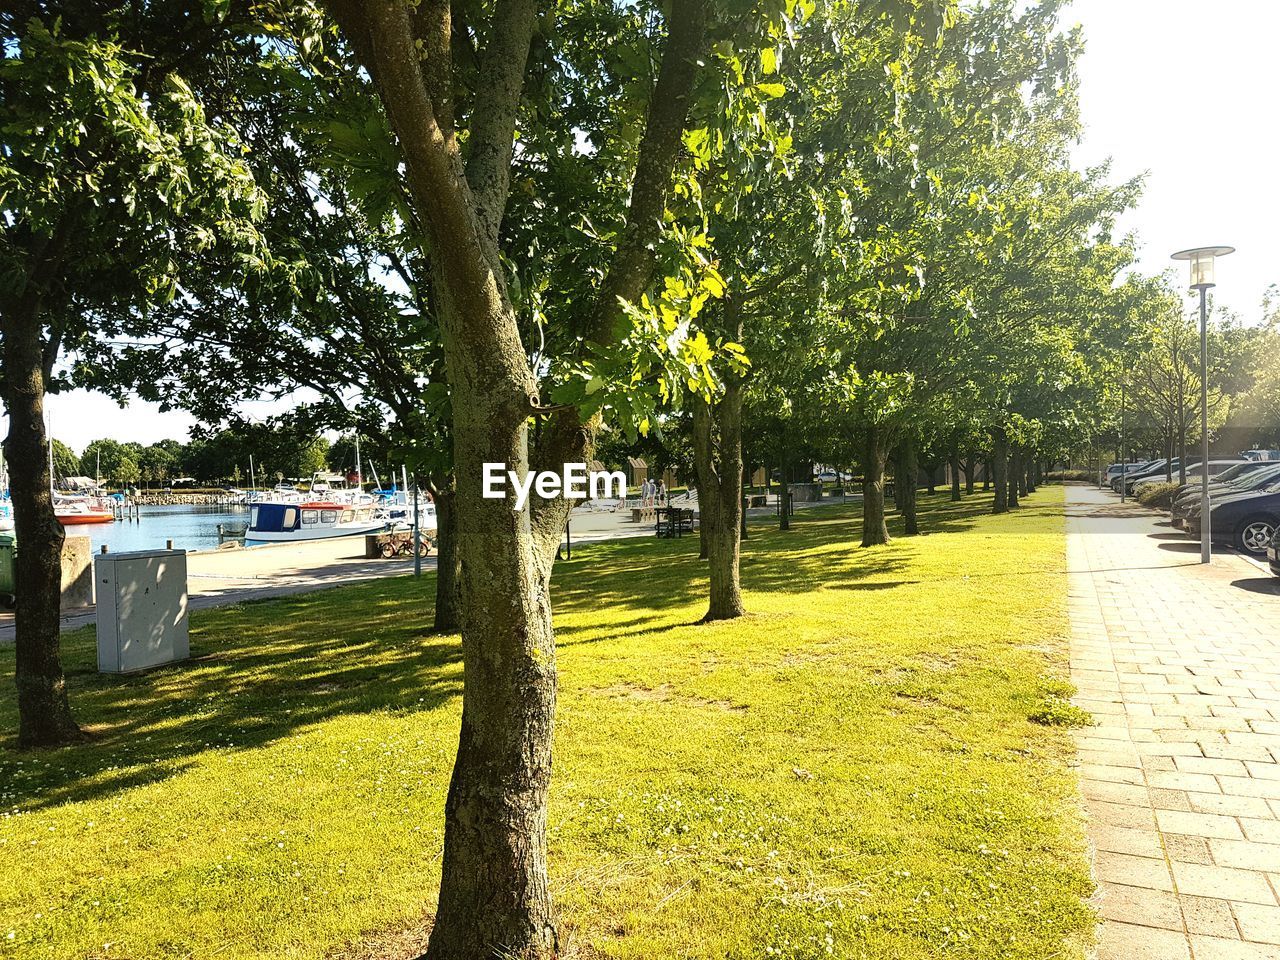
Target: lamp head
column 1201, row 260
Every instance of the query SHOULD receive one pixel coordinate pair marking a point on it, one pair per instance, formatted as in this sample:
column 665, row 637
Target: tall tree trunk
column 898, row 485
column 910, row 473
column 448, row 618
column 988, row 473
column 717, row 442
column 784, row 495
column 1013, row 471
column 44, row 714
column 969, row 464
column 999, row 471
column 874, row 529
column 954, row 465
column 494, row 894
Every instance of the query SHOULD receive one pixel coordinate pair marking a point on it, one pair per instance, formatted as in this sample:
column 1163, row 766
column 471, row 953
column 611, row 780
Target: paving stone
column 1128, row 941
column 1133, row 871
column 1173, row 799
column 1139, row 843
column 1227, row 883
column 1121, row 814
column 1199, row 782
column 1198, row 824
column 1208, row 917
column 1258, row 922
column 1184, row 668
column 1231, row 806
column 1264, row 831
column 1140, row 905
column 1123, row 792
column 1245, row 854
column 1231, row 768
column 1216, row 948
column 1099, row 771
column 1188, row 849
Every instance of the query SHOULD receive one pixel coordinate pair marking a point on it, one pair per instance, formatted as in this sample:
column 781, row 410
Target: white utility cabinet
column 142, row 609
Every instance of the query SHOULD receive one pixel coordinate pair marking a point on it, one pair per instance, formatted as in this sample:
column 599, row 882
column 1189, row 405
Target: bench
column 673, row 521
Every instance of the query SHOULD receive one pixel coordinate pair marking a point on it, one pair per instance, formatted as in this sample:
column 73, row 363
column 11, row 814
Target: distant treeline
column 216, row 459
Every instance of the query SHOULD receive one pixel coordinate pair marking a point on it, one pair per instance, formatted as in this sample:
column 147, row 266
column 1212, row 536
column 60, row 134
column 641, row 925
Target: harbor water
column 189, row 527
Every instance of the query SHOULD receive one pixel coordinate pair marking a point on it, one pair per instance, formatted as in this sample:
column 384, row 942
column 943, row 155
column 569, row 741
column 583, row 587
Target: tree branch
column 632, row 268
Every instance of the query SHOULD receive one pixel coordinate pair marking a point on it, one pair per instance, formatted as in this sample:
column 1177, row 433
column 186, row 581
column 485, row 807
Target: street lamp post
column 1124, row 445
column 1201, row 261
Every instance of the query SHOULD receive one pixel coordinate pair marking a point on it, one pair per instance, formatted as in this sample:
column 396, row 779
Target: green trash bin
column 8, row 547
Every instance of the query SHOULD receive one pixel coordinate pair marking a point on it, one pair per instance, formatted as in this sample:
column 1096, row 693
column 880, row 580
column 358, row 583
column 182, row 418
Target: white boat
column 6, row 516
column 310, row 520
column 73, row 510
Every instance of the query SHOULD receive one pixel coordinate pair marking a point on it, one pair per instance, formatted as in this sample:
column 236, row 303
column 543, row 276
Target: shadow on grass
column 258, row 672
column 262, row 670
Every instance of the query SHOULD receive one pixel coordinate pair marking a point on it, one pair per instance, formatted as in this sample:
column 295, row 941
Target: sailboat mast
column 251, row 480
column 359, row 473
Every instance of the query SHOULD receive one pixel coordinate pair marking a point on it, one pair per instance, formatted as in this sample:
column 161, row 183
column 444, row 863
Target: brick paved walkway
column 1180, row 666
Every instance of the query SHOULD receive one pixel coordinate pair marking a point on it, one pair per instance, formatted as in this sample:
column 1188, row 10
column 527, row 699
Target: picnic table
column 673, row 521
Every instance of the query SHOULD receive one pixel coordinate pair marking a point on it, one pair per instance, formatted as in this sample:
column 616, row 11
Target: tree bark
column 955, row 476
column 448, row 615
column 969, row 465
column 1013, row 470
column 494, row 895
column 988, row 474
column 999, row 471
column 717, row 443
column 906, row 484
column 875, row 530
column 784, row 495
column 44, row 713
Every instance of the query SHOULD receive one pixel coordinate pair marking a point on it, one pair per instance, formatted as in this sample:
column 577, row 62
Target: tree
column 494, row 896
column 108, row 191
column 157, row 462
column 65, row 462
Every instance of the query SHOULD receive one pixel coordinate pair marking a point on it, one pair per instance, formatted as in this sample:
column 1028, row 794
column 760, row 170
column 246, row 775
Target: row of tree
column 1162, row 383
column 271, row 451
column 722, row 230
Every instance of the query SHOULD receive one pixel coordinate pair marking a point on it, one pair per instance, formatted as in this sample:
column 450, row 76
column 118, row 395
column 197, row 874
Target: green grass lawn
column 852, row 771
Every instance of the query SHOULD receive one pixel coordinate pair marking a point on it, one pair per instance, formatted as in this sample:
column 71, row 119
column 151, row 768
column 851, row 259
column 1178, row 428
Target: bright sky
column 1185, row 91
column 1179, row 89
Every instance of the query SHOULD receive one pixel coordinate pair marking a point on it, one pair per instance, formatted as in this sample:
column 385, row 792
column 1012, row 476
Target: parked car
column 1247, row 521
column 1194, row 471
column 1135, row 466
column 1252, row 477
column 1134, row 470
column 1158, row 469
